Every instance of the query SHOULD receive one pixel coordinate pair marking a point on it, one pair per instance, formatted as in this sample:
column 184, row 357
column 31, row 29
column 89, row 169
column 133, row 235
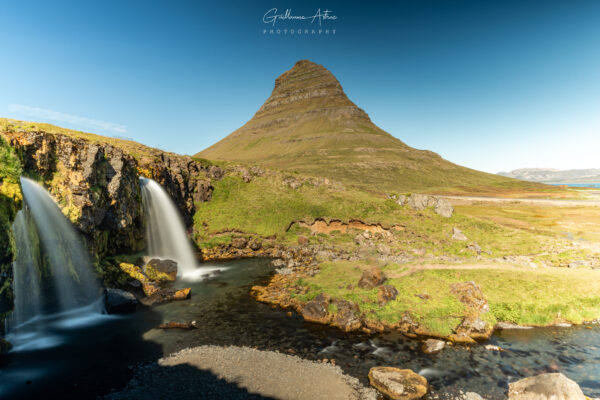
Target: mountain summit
column 309, row 125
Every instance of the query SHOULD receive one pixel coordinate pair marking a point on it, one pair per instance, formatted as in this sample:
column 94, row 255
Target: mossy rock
column 158, row 270
column 5, row 346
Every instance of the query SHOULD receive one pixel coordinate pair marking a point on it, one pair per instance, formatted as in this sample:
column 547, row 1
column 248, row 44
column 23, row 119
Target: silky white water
column 54, row 284
column 165, row 231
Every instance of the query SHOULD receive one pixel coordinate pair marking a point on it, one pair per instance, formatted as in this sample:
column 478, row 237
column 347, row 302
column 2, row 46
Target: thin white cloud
column 43, row 113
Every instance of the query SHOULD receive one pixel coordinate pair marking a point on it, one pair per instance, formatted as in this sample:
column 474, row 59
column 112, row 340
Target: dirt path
column 415, row 268
column 213, row 372
column 595, row 202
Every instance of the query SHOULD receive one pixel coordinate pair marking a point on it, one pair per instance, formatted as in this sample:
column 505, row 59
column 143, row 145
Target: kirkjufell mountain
column 309, row 125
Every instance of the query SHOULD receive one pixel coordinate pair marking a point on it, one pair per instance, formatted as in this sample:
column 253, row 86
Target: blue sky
column 493, row 85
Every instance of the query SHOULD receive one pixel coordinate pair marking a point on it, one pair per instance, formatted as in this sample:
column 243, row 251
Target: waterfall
column 165, row 230
column 54, row 285
column 26, row 272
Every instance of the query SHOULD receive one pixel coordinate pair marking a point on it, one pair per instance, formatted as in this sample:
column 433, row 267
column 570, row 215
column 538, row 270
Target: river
column 94, row 359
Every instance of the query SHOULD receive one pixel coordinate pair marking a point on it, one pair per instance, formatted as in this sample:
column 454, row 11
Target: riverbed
column 95, row 359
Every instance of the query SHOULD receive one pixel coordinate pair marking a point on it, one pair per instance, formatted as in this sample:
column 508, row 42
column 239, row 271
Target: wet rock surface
column 398, row 384
column 159, row 270
column 5, row 346
column 117, row 301
column 98, row 187
column 545, row 387
column 433, row 346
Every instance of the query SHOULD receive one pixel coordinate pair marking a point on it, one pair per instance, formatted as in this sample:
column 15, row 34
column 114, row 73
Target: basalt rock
column 183, row 178
column 118, row 301
column 398, row 384
column 164, row 295
column 472, row 327
column 422, row 201
column 545, row 387
column 433, row 346
column 371, row 278
column 160, row 270
column 97, row 184
column 5, row 346
column 346, row 316
column 386, row 293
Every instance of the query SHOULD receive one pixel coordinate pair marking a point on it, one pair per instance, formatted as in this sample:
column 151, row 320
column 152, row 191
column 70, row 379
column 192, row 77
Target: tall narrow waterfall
column 54, row 286
column 165, row 230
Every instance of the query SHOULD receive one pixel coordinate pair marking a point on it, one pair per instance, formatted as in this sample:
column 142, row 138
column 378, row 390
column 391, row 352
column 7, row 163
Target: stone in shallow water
column 398, row 384
column 163, row 295
column 433, row 346
column 158, row 270
column 554, row 386
column 117, row 301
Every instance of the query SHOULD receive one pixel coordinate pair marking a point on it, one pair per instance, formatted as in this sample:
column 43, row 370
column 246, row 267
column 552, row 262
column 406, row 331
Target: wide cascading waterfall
column 63, row 249
column 54, row 285
column 165, row 230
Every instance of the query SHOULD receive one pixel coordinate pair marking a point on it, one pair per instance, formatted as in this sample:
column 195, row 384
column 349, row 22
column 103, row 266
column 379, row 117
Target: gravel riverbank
column 214, row 372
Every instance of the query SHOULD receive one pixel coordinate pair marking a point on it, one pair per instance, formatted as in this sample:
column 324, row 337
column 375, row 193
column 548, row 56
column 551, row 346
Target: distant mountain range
column 309, row 125
column 549, row 175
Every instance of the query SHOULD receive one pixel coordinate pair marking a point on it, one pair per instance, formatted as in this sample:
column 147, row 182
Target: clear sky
column 492, row 85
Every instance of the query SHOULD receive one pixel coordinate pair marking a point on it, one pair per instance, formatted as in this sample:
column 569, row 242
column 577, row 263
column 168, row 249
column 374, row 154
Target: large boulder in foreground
column 158, row 270
column 398, row 384
column 553, row 386
column 118, row 301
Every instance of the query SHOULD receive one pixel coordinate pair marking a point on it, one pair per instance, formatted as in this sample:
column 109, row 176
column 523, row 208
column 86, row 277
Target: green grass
column 135, row 149
column 266, row 207
column 581, row 222
column 10, row 197
column 527, row 297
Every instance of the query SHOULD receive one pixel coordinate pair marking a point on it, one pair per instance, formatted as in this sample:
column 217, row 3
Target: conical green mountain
column 309, row 125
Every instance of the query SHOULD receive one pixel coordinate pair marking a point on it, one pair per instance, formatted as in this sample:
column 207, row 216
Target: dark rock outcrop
column 97, row 184
column 5, row 346
column 183, row 178
column 118, row 301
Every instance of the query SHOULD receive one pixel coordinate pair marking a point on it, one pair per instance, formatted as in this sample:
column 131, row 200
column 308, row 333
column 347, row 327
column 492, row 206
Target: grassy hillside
column 267, row 206
column 309, row 125
column 137, row 150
